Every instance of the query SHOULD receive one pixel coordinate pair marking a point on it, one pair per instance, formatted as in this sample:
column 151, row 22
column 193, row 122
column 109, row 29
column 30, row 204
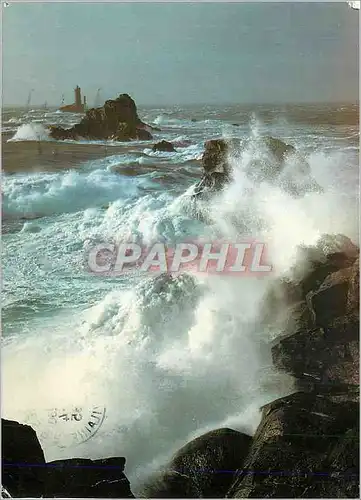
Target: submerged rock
column 202, row 468
column 164, row 146
column 269, row 157
column 117, row 119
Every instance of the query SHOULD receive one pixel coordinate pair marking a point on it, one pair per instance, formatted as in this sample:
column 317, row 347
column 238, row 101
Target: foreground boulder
column 117, row 120
column 22, row 460
column 271, row 160
column 164, row 146
column 307, row 446
column 79, row 478
column 26, row 474
column 202, row 468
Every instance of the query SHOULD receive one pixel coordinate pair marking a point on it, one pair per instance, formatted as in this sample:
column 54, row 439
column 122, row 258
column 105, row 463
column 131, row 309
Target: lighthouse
column 77, row 92
column 78, row 106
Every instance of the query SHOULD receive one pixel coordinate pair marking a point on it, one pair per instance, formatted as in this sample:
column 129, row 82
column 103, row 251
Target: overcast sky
column 180, row 53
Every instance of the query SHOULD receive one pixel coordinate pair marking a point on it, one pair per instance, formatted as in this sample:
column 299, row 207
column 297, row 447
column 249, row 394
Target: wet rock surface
column 116, row 120
column 164, row 146
column 324, row 348
column 270, row 157
column 202, row 468
column 307, row 446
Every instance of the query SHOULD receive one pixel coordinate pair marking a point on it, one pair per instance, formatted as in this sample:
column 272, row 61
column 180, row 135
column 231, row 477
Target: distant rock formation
column 26, row 474
column 267, row 164
column 164, row 146
column 116, row 120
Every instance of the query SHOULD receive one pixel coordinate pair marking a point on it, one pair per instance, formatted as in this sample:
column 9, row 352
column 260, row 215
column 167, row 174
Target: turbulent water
column 166, row 364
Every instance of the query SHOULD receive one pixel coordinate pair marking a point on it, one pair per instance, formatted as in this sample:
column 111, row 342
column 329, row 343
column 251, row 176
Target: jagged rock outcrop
column 26, row 474
column 164, row 146
column 202, row 468
column 117, row 120
column 321, row 347
column 269, row 157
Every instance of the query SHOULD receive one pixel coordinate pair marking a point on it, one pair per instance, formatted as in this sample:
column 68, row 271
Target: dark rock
column 25, row 473
column 116, row 119
column 217, row 171
column 62, row 134
column 330, row 300
column 278, row 148
column 84, row 478
column 164, row 146
column 353, row 297
column 314, row 264
column 307, row 446
column 22, row 458
column 127, row 132
column 318, row 273
column 268, row 164
column 322, row 356
column 322, row 346
column 215, row 156
column 202, row 468
column 344, row 460
column 290, row 296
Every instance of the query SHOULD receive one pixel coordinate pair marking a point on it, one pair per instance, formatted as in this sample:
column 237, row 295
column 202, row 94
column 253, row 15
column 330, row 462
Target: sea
column 162, row 360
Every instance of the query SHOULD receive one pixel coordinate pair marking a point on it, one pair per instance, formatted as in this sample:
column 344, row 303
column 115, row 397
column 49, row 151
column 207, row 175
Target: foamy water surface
column 166, row 362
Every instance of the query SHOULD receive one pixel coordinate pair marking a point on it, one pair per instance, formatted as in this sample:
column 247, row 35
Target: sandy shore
column 33, row 156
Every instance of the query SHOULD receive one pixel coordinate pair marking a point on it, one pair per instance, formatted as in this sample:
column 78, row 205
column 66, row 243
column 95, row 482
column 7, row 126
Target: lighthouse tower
column 78, row 106
column 77, row 92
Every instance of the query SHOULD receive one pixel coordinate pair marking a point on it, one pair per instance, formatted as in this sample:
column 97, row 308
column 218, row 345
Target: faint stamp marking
column 67, row 426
